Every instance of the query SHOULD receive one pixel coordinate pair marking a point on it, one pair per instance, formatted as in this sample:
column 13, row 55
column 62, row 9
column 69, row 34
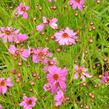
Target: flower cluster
column 9, row 34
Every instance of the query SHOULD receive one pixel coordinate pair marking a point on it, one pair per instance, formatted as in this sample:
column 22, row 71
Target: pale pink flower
column 40, row 54
column 57, row 78
column 22, row 10
column 20, row 38
column 51, row 22
column 66, row 36
column 81, row 72
column 1, row 107
column 105, row 78
column 28, row 103
column 59, row 98
column 5, row 84
column 49, row 63
column 77, row 4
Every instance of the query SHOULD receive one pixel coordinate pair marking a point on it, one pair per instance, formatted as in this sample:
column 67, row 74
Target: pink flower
column 81, row 71
column 8, row 34
column 40, row 27
column 23, row 53
column 5, row 84
column 12, row 49
column 49, row 63
column 51, row 22
column 1, row 106
column 59, row 98
column 57, row 78
column 40, row 54
column 66, row 37
column 105, row 78
column 77, row 4
column 22, row 10
column 20, row 38
column 28, row 103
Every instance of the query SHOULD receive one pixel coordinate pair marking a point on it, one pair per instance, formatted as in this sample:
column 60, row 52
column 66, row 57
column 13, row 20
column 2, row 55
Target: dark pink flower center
column 3, row 83
column 7, row 32
column 65, row 35
column 78, row 1
column 23, row 9
column 29, row 102
column 55, row 76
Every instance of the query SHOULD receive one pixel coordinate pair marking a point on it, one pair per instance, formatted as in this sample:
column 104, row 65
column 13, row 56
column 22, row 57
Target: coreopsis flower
column 81, row 72
column 105, row 78
column 66, row 36
column 20, row 38
column 22, row 10
column 49, row 63
column 40, row 54
column 23, row 53
column 57, row 78
column 59, row 98
column 51, row 22
column 77, row 4
column 8, row 33
column 5, row 84
column 28, row 102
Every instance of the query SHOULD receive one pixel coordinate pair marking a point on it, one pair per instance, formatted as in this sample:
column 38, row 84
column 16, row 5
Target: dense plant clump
column 54, row 54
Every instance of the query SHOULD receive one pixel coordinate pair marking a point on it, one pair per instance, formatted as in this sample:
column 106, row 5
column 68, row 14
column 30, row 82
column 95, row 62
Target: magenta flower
column 59, row 98
column 51, row 22
column 77, row 4
column 1, row 107
column 28, row 103
column 23, row 53
column 66, row 37
column 57, row 78
column 5, row 84
column 105, row 78
column 22, row 10
column 20, row 38
column 82, row 72
column 40, row 54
